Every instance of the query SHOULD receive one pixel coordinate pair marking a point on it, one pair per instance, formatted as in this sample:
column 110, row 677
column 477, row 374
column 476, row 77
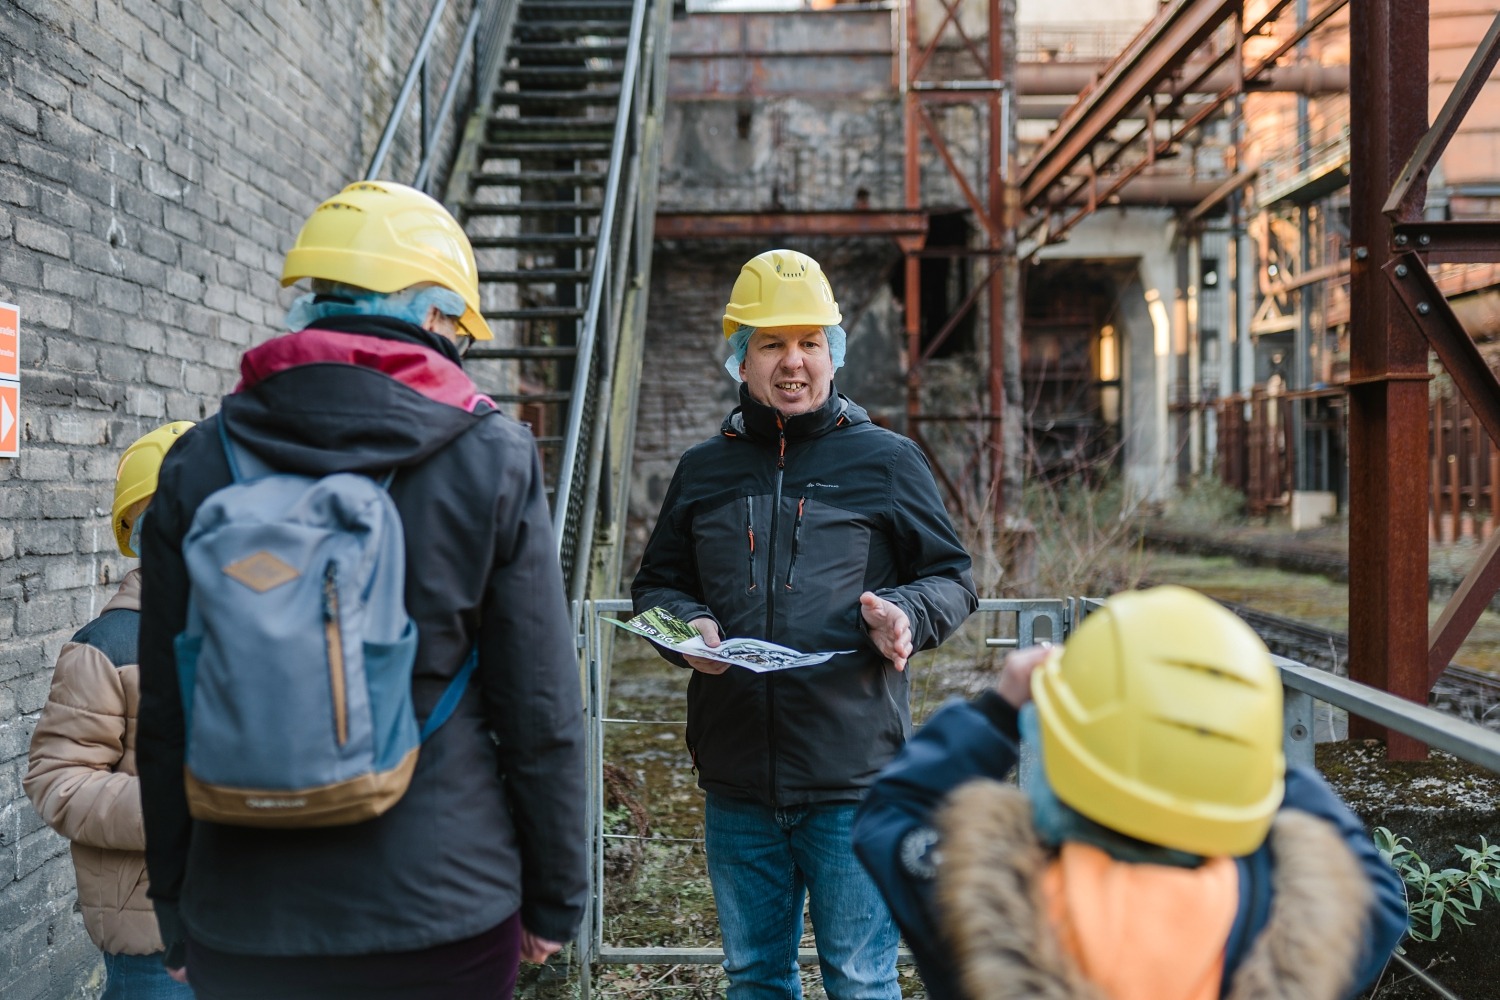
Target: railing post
column 1297, row 730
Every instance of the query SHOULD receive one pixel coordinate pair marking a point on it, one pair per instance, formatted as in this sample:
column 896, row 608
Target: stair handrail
column 564, row 497
column 483, row 56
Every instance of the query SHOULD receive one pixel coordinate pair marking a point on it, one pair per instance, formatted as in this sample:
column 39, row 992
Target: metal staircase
column 554, row 180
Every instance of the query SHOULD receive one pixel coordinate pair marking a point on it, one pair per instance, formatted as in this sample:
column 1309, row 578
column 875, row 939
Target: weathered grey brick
column 35, row 81
column 18, row 191
column 96, row 255
column 165, row 372
column 71, row 573
column 92, row 111
column 48, row 311
column 72, row 355
column 39, row 236
column 19, row 114
column 65, row 209
column 67, row 280
column 7, row 549
column 143, row 402
column 44, row 464
column 121, row 296
column 184, row 285
column 45, row 538
column 74, row 428
column 7, row 225
column 159, row 246
column 21, row 269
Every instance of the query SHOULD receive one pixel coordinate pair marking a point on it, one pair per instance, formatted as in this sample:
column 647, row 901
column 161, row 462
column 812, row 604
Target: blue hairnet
column 740, row 339
column 1055, row 821
column 409, row 304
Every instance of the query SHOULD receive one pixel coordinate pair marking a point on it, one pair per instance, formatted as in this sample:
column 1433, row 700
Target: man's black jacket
column 488, row 825
column 773, row 529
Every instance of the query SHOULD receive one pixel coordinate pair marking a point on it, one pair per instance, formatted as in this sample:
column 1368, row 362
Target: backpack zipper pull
column 333, row 638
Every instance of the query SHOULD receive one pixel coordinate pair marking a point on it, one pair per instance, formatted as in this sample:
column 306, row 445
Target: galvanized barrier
column 1030, row 621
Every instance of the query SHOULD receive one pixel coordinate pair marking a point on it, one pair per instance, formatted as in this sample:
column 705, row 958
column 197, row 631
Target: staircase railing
column 622, row 265
column 484, row 38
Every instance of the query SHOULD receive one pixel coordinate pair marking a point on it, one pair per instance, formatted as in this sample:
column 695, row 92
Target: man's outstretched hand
column 889, row 629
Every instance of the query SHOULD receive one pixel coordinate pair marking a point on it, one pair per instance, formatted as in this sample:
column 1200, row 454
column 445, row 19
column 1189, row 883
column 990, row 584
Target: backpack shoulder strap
column 451, row 695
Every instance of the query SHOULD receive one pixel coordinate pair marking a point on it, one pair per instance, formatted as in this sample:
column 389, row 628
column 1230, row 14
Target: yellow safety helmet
column 135, row 477
column 780, row 288
column 386, row 237
column 1161, row 719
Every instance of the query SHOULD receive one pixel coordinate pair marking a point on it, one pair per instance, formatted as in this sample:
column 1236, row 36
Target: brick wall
column 156, row 158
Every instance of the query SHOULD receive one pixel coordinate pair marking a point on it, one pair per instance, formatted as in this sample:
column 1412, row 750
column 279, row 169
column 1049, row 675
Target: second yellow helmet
column 385, row 237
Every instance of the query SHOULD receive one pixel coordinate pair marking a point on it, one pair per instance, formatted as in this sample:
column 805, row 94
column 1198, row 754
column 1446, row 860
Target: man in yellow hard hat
column 804, row 524
column 483, row 859
column 1161, row 849
column 81, row 775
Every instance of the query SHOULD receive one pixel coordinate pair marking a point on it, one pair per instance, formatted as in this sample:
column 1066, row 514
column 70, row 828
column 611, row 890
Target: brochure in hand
column 671, row 632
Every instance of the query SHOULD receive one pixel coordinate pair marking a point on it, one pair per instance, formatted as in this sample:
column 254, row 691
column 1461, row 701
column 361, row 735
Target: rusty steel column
column 1388, row 372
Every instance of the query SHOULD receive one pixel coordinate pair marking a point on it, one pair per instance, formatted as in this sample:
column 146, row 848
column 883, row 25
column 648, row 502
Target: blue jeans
column 140, row 977
column 762, row 863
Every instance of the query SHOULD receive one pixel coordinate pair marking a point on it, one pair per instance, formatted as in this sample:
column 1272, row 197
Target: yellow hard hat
column 135, row 477
column 386, row 237
column 780, row 288
column 1161, row 719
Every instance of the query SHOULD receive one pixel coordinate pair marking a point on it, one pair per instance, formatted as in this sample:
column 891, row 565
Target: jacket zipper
column 791, row 569
column 771, row 606
column 750, row 534
column 334, row 640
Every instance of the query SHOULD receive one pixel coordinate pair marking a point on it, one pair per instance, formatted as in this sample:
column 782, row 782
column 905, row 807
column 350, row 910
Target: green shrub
column 1451, row 893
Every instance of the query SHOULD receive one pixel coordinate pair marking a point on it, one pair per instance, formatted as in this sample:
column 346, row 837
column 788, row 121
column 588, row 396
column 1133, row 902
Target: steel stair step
column 536, row 312
column 603, row 97
column 522, row 178
column 521, row 353
column 535, row 208
column 547, row 398
column 580, row 9
column 557, row 241
column 537, row 276
column 562, row 74
column 550, row 130
column 565, row 28
column 514, row 149
column 567, row 52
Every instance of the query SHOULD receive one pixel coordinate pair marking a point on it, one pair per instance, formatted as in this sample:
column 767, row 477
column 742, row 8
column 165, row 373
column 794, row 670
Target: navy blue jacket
column 893, row 838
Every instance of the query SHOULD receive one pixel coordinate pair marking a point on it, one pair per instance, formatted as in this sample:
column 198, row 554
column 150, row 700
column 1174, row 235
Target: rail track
column 1462, row 691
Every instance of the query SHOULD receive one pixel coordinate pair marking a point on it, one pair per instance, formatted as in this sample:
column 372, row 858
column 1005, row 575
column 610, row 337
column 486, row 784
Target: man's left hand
column 889, row 629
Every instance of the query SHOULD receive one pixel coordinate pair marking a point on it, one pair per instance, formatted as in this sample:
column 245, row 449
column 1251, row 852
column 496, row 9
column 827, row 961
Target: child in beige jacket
column 82, row 776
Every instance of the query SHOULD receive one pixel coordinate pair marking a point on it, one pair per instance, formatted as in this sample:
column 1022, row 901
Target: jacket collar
column 758, row 421
column 1005, row 946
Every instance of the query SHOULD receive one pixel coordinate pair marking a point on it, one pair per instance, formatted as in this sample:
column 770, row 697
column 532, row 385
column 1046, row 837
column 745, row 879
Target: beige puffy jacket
column 82, row 776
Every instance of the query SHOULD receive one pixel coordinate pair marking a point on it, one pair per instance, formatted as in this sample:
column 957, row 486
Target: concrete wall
column 156, row 158
column 1150, row 326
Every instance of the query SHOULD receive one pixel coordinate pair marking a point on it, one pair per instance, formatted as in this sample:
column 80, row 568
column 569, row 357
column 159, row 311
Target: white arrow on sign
column 7, row 419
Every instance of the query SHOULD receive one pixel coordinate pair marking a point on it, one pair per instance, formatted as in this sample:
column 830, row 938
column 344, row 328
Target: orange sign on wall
column 10, row 419
column 10, row 342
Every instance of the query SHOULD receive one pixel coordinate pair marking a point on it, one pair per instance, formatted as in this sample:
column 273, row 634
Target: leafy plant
column 1450, row 893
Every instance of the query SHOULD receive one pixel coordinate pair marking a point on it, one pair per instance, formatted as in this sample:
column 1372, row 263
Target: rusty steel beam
column 909, row 227
column 1388, row 373
column 1478, row 385
column 1476, row 242
column 1409, row 192
column 1058, row 79
column 1176, row 33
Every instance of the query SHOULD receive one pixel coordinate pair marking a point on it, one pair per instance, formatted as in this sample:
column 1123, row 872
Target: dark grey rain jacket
column 773, row 529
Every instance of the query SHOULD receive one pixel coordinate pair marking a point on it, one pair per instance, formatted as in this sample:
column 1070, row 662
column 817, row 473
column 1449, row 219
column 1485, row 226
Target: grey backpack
column 295, row 665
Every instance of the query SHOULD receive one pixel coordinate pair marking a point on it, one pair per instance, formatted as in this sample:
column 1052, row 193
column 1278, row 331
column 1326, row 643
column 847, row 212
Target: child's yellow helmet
column 1161, row 719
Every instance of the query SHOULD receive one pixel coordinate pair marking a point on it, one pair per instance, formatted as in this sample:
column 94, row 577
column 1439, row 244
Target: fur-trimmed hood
column 993, row 911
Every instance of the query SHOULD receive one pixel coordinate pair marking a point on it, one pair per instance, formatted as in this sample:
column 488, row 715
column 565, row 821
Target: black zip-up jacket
column 488, row 825
column 773, row 529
